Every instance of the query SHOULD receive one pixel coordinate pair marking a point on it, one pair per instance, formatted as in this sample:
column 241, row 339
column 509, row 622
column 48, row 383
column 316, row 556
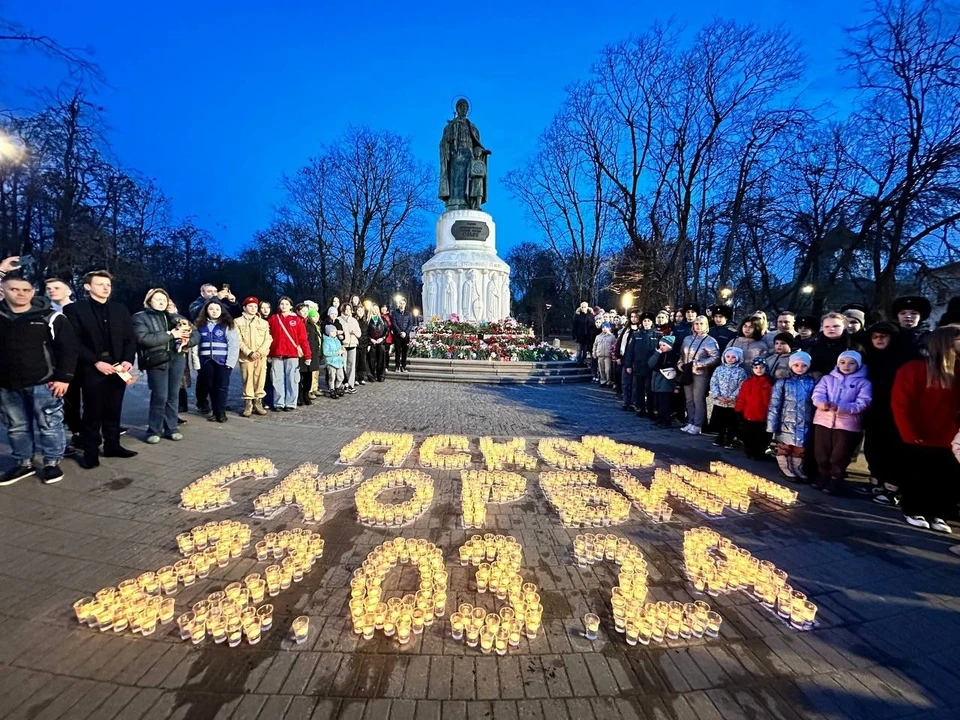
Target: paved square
column 887, row 644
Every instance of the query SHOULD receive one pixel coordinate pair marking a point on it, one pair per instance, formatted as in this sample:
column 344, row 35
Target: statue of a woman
column 459, row 147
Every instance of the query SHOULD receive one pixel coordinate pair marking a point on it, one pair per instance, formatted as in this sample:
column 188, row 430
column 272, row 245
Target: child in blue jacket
column 724, row 388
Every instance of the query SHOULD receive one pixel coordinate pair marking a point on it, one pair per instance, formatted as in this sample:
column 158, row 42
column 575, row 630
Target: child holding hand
column 841, row 398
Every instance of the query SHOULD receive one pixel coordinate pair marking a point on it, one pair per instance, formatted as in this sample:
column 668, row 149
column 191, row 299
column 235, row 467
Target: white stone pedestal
column 465, row 277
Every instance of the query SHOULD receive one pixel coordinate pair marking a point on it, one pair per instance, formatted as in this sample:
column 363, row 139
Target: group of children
column 758, row 407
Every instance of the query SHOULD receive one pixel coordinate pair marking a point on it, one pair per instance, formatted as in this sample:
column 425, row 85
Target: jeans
column 164, row 384
column 286, row 382
column 334, row 379
column 696, row 397
column 20, row 410
column 71, row 408
column 217, row 379
column 350, row 367
column 202, row 392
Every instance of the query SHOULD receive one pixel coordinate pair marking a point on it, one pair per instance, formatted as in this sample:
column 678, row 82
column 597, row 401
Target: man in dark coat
column 721, row 330
column 910, row 312
column 106, row 347
column 637, row 359
column 582, row 320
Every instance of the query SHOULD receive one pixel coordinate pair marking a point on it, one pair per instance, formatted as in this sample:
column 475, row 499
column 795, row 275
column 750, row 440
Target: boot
column 784, row 462
column 258, row 407
column 247, row 408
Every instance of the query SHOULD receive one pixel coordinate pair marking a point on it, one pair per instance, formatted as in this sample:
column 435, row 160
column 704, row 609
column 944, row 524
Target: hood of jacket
column 733, row 350
column 39, row 306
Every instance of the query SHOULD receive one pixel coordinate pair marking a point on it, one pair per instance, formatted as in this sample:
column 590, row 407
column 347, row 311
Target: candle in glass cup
column 265, row 613
column 403, row 629
column 234, row 632
column 592, row 624
column 456, row 626
column 713, row 624
column 83, row 608
column 301, row 628
column 487, row 638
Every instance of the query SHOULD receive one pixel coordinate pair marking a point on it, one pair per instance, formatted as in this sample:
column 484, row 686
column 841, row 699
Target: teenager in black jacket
column 106, row 347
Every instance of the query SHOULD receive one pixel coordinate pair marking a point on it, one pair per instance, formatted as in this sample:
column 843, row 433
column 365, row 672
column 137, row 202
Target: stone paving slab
column 886, row 645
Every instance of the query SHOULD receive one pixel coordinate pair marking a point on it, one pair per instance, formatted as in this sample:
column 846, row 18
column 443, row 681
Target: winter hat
column 668, row 340
column 332, row 311
column 800, row 355
column 328, row 328
column 249, row 300
column 853, row 355
column 856, row 314
column 884, row 327
column 313, row 314
column 759, row 361
column 785, row 338
column 912, row 302
column 807, row 321
column 736, row 352
column 605, row 326
column 647, row 316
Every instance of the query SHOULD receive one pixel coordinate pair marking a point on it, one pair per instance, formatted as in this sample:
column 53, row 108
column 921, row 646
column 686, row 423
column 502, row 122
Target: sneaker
column 888, row 499
column 51, row 474
column 352, row 390
column 686, row 428
column 694, row 430
column 123, row 431
column 175, row 436
column 152, row 439
column 940, row 525
column 362, row 382
column 917, row 521
column 16, row 473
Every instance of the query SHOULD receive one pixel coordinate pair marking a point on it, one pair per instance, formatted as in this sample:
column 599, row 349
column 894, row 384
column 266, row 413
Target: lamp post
column 726, row 292
column 627, row 300
column 543, row 327
column 807, row 289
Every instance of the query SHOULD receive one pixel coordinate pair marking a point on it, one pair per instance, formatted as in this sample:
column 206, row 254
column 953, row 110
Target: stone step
column 487, row 379
column 493, row 372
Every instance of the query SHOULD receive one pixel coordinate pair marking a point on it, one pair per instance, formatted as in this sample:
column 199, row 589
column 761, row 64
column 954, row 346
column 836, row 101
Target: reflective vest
column 213, row 343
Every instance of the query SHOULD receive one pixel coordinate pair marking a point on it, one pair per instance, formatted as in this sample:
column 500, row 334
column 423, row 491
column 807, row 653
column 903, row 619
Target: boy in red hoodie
column 752, row 404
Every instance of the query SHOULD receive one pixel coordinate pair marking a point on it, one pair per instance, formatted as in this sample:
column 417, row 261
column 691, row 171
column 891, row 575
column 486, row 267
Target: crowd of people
column 66, row 361
column 809, row 393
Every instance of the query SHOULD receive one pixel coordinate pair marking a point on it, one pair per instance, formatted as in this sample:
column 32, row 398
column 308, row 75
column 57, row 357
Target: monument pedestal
column 465, row 277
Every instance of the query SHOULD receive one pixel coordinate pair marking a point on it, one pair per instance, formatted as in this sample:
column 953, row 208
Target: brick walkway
column 888, row 644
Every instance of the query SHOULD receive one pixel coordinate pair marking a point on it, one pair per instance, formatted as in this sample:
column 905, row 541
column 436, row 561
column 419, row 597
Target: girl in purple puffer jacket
column 841, row 398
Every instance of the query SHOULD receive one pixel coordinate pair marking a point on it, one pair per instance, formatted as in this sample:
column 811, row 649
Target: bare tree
column 907, row 65
column 16, row 36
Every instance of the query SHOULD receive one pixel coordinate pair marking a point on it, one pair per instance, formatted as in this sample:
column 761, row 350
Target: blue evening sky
column 216, row 99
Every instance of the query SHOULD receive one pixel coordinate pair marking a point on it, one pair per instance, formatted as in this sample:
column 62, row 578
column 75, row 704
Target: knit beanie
column 856, row 315
column 853, row 355
column 758, row 361
column 332, row 311
column 801, row 356
column 313, row 314
column 668, row 340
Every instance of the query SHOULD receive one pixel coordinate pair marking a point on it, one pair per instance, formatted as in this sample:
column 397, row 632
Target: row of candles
column 371, row 511
column 479, row 487
column 498, row 455
column 640, row 621
column 140, row 604
column 497, row 559
column 399, row 446
column 617, row 454
column 455, row 457
column 396, row 616
column 305, row 487
column 580, row 502
column 565, row 454
column 210, row 492
column 651, row 500
column 714, row 564
column 745, row 481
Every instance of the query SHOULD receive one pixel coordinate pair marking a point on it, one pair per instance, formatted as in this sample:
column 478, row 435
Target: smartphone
column 26, row 263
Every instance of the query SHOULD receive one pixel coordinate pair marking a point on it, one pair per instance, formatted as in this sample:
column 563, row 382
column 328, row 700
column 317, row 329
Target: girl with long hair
column 216, row 354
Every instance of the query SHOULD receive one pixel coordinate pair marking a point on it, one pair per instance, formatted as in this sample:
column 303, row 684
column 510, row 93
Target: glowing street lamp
column 12, row 148
column 726, row 293
column 627, row 300
column 807, row 289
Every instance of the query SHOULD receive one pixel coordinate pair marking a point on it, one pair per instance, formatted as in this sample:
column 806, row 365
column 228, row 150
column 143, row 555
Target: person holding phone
column 106, row 348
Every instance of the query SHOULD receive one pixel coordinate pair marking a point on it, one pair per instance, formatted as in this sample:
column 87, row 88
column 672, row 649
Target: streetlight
column 543, row 327
column 627, row 300
column 807, row 289
column 12, row 148
column 726, row 293
column 416, row 316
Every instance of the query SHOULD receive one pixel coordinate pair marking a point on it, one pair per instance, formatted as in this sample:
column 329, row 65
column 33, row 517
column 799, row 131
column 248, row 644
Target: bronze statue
column 463, row 163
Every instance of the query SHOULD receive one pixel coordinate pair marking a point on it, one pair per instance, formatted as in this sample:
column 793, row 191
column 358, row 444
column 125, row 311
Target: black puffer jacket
column 36, row 346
